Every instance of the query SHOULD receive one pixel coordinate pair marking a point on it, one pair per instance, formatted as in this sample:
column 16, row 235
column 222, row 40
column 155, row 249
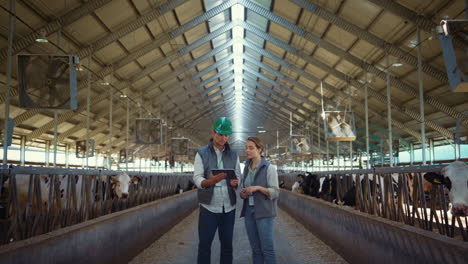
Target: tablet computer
column 231, row 173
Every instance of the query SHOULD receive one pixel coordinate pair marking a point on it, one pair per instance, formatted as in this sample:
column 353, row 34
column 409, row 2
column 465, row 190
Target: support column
column 23, row 150
column 411, row 153
column 338, row 154
column 47, row 153
column 457, row 139
column 8, row 91
column 328, row 158
column 421, row 98
column 88, row 110
column 382, row 154
column 140, row 164
column 431, row 149
column 318, row 143
column 389, row 113
column 56, row 116
column 109, row 160
column 67, row 155
column 96, row 160
column 366, row 109
column 126, row 134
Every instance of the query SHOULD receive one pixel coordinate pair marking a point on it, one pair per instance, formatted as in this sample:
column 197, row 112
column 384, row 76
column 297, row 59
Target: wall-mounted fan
column 149, row 131
column 179, row 146
column 339, row 126
column 123, row 158
column 81, row 148
column 9, row 131
column 300, row 145
column 47, row 81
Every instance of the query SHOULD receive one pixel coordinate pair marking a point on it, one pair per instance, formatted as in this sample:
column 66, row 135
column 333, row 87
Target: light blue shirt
column 220, row 193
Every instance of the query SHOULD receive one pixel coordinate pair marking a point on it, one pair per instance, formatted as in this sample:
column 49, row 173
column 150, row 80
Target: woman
column 260, row 193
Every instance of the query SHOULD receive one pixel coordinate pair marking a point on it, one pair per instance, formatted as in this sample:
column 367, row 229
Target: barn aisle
column 294, row 244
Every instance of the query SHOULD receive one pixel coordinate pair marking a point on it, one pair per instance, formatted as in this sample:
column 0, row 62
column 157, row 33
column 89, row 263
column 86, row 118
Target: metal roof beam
column 404, row 110
column 423, row 22
column 216, row 76
column 263, row 66
column 212, row 67
column 286, row 99
column 371, row 38
column 270, row 99
column 268, row 106
column 127, row 28
column 53, row 26
column 210, row 53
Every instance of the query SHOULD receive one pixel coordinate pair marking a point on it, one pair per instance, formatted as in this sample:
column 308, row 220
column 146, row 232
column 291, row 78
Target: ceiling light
column 105, row 81
column 397, row 63
column 413, row 43
column 42, row 38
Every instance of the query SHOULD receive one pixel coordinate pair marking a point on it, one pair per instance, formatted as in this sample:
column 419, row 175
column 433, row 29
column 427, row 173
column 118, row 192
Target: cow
column 281, row 184
column 297, row 187
column 349, row 198
column 327, row 190
column 178, row 189
column 120, row 184
column 310, row 184
column 455, row 178
column 190, row 186
column 45, row 183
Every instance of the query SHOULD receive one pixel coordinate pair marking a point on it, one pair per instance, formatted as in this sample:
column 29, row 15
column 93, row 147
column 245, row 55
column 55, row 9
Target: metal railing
column 408, row 203
column 58, row 197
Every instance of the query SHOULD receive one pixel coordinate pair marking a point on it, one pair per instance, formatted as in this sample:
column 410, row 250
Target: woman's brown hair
column 258, row 143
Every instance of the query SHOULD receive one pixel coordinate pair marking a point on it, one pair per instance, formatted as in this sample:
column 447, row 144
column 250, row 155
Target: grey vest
column 263, row 206
column 210, row 162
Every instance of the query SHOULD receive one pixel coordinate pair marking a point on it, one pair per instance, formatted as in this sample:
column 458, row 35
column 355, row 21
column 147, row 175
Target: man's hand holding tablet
column 231, row 177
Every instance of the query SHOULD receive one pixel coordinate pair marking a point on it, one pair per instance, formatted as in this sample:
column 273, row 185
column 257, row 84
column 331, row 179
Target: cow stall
column 393, row 218
column 112, row 238
column 38, row 200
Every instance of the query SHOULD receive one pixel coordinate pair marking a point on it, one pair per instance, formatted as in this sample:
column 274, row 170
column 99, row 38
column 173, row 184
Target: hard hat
column 223, row 126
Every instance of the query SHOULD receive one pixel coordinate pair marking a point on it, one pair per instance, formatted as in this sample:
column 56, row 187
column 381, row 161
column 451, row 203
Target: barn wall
column 363, row 238
column 114, row 238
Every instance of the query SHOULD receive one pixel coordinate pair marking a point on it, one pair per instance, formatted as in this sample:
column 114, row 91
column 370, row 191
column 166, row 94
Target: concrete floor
column 293, row 244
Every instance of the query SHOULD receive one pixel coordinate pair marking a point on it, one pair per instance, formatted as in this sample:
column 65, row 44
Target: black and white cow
column 455, row 178
column 327, row 190
column 119, row 185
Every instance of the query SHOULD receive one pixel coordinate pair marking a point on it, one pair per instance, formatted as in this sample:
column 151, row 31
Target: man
column 217, row 196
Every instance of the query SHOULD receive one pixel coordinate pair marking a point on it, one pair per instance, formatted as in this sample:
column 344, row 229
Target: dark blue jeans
column 208, row 222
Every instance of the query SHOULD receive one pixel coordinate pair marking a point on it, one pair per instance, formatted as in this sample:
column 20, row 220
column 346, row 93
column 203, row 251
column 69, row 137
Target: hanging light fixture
column 42, row 38
column 78, row 67
column 105, row 81
column 413, row 43
column 397, row 63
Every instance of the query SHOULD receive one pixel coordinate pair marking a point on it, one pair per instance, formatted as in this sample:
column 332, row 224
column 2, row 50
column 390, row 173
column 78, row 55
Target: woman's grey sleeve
column 272, row 182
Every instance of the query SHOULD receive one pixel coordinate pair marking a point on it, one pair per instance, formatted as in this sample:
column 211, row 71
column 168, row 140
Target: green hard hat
column 223, row 126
